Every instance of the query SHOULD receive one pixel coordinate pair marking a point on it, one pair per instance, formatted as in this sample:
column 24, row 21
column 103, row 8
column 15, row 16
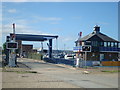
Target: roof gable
column 106, row 38
column 97, row 36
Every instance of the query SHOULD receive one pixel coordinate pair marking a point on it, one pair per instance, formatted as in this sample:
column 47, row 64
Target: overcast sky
column 65, row 19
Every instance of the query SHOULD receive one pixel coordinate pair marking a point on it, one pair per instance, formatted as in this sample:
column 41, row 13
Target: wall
column 95, row 56
column 111, row 63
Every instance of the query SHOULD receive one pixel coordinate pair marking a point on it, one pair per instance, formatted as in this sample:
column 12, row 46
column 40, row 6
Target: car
column 69, row 57
column 46, row 56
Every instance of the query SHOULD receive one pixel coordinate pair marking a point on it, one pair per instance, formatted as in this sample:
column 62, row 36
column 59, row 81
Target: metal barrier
column 60, row 61
column 71, row 62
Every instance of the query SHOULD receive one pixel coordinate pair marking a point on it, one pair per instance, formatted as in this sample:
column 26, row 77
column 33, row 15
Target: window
column 115, row 44
column 108, row 44
column 101, row 44
column 105, row 44
column 76, row 44
column 80, row 43
column 83, row 43
column 112, row 44
column 94, row 43
column 88, row 42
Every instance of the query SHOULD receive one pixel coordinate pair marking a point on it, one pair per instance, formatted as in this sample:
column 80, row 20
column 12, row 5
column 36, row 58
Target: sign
column 86, row 48
column 12, row 45
column 77, row 49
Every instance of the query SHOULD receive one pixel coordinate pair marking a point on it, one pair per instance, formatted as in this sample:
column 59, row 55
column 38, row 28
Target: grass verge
column 21, row 72
column 113, row 71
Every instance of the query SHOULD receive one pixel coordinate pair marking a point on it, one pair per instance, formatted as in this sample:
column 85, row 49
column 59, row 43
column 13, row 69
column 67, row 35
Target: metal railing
column 109, row 49
column 116, row 49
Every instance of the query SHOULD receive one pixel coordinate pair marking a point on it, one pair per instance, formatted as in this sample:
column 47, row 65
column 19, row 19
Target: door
column 101, row 57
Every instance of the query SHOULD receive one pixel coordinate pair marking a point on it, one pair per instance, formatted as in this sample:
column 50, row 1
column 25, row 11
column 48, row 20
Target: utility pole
column 42, row 47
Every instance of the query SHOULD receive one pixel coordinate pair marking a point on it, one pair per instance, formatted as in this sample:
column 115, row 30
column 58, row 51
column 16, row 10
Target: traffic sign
column 12, row 45
column 86, row 48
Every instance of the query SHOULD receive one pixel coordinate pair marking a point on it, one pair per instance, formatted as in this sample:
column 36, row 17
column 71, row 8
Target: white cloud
column 66, row 42
column 12, row 11
column 20, row 29
column 66, row 38
column 48, row 18
column 22, row 26
column 6, row 29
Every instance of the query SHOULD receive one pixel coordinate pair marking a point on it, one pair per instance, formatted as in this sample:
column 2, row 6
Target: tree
column 4, row 48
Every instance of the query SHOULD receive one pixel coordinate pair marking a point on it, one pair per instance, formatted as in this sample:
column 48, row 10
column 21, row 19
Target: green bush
column 35, row 56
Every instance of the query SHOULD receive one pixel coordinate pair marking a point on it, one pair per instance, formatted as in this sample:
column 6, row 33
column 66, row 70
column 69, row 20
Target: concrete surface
column 56, row 76
column 13, row 79
column 68, row 74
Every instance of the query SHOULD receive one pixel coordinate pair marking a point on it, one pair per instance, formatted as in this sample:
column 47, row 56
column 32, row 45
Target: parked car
column 58, row 56
column 69, row 57
column 46, row 56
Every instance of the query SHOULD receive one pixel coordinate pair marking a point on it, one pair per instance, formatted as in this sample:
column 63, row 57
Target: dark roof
column 102, row 36
column 30, row 37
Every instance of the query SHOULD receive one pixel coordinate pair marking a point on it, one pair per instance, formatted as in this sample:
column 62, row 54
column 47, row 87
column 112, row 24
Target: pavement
column 50, row 76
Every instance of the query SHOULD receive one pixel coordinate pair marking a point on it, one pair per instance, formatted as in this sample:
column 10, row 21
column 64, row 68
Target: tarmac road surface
column 73, row 76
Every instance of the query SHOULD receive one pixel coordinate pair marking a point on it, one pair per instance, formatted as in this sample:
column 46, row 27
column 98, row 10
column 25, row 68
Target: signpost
column 12, row 45
column 86, row 49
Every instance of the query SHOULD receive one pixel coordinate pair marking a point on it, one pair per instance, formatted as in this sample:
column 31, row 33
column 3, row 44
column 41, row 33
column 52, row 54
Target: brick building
column 24, row 49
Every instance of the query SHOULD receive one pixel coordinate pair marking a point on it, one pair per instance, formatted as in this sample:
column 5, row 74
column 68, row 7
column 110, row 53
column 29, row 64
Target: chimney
column 96, row 29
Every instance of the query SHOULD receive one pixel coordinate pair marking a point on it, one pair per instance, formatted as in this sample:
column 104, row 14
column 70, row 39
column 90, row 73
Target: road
column 73, row 76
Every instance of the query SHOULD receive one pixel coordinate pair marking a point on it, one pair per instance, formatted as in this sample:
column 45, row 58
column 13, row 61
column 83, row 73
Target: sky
column 65, row 19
